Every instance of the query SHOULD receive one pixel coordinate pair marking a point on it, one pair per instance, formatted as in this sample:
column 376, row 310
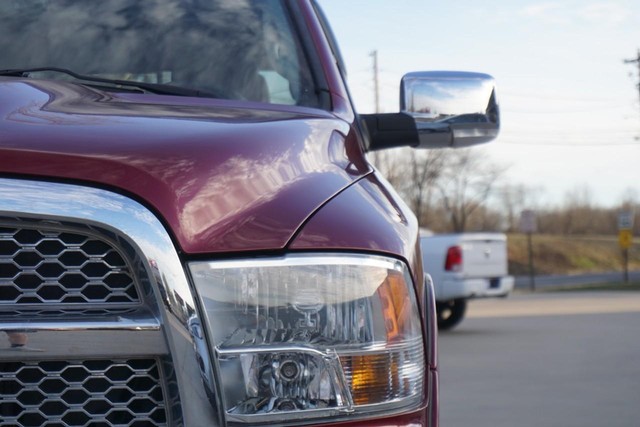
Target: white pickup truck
column 465, row 266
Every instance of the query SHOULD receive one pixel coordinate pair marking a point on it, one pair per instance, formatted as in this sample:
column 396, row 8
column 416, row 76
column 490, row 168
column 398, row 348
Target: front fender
column 369, row 216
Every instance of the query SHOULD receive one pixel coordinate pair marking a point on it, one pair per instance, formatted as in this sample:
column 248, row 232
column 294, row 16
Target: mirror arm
column 390, row 130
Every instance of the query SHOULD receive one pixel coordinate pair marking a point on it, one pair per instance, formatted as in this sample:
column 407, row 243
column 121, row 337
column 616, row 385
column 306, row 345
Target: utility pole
column 377, row 155
column 376, row 81
column 635, row 61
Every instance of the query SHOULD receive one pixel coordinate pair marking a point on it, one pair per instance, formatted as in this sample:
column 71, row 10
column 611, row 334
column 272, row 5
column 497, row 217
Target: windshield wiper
column 156, row 88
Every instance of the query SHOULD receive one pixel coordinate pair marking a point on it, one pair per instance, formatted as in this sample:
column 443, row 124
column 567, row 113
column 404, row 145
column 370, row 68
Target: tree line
column 459, row 190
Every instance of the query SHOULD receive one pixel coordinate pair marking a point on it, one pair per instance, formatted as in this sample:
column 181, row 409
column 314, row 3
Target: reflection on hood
column 226, row 176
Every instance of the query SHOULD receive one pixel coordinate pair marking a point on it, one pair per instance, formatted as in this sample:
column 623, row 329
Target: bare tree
column 392, row 166
column 629, row 199
column 465, row 184
column 578, row 211
column 413, row 173
column 425, row 168
column 513, row 199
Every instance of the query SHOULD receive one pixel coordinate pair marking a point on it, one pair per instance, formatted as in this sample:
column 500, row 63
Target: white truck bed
column 481, row 272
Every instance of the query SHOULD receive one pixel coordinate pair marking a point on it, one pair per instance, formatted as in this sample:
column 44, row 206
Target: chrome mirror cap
column 451, row 108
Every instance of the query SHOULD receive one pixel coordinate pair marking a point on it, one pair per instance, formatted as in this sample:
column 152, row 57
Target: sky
column 570, row 107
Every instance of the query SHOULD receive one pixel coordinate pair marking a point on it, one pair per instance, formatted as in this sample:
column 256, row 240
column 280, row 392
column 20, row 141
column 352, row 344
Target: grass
column 554, row 254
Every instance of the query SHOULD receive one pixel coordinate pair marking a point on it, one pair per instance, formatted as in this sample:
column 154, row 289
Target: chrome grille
column 71, row 334
column 30, row 314
column 82, row 393
column 61, row 267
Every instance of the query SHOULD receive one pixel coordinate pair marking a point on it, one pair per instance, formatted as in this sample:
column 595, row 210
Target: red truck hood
column 225, row 176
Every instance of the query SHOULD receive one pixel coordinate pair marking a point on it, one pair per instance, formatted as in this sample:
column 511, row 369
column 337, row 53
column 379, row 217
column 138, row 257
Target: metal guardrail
column 541, row 282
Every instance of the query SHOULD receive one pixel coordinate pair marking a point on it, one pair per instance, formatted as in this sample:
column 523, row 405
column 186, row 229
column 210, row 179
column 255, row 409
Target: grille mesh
column 49, row 266
column 90, row 393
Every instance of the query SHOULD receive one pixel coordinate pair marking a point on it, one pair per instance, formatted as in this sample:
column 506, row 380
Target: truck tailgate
column 484, row 255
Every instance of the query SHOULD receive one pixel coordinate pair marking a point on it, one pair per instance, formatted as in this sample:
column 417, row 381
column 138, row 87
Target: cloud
column 555, row 13
column 567, row 12
column 541, row 9
column 605, row 12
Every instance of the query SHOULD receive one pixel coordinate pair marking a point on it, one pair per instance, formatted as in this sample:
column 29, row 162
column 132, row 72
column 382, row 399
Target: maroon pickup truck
column 190, row 232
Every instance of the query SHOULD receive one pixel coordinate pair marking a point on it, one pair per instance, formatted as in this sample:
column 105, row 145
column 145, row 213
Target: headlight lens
column 312, row 336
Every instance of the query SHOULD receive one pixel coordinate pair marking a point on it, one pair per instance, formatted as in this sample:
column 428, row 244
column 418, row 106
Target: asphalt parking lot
column 566, row 359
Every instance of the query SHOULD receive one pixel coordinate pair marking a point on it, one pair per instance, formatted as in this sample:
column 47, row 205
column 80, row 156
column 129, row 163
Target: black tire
column 450, row 313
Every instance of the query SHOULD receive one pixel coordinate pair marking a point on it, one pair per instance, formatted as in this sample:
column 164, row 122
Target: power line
column 554, row 97
column 528, row 132
column 557, row 111
column 570, row 144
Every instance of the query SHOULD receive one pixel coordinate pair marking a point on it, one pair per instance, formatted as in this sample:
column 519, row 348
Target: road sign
column 528, row 222
column 625, row 220
column 625, row 238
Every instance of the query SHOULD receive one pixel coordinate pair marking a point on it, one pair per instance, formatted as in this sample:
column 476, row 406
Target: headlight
column 312, row 336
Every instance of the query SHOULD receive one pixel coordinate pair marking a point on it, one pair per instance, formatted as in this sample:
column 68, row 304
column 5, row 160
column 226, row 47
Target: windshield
column 235, row 49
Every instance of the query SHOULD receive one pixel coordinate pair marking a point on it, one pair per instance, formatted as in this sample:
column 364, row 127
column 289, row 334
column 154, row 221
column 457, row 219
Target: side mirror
column 439, row 109
column 451, row 109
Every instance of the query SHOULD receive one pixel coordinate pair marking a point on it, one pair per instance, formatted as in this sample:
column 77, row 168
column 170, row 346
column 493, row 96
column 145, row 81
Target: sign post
column 529, row 225
column 625, row 239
